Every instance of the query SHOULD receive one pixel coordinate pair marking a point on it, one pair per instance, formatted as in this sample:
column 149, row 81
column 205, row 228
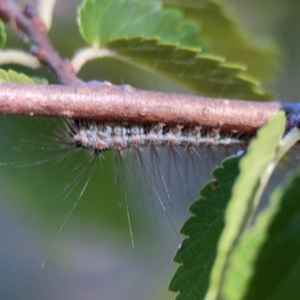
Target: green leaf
column 14, row 77
column 226, row 37
column 207, row 74
column 101, row 21
column 159, row 40
column 197, row 252
column 255, row 169
column 266, row 265
column 2, row 35
column 39, row 80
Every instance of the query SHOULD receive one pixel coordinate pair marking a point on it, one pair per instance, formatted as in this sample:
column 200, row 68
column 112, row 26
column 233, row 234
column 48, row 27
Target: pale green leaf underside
column 206, row 74
column 267, row 263
column 226, row 37
column 261, row 153
column 198, row 251
column 2, row 35
column 144, row 34
column 14, row 77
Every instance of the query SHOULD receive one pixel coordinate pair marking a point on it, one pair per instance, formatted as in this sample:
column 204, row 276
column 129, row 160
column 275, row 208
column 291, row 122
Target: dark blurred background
column 91, row 254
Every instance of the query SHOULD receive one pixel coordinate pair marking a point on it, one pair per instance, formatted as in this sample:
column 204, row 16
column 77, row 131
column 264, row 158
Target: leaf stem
column 45, row 8
column 84, row 55
column 12, row 56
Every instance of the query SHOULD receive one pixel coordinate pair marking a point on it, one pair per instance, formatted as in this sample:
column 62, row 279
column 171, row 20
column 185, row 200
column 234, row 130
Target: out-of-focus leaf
column 254, row 169
column 12, row 76
column 39, row 80
column 2, row 35
column 197, row 252
column 267, row 263
column 227, row 38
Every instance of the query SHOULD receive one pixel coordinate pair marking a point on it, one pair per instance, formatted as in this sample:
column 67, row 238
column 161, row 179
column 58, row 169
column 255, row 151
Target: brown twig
column 106, row 102
column 30, row 24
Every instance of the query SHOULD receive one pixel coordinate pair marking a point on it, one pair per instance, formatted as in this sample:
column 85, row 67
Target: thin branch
column 106, row 102
column 30, row 24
